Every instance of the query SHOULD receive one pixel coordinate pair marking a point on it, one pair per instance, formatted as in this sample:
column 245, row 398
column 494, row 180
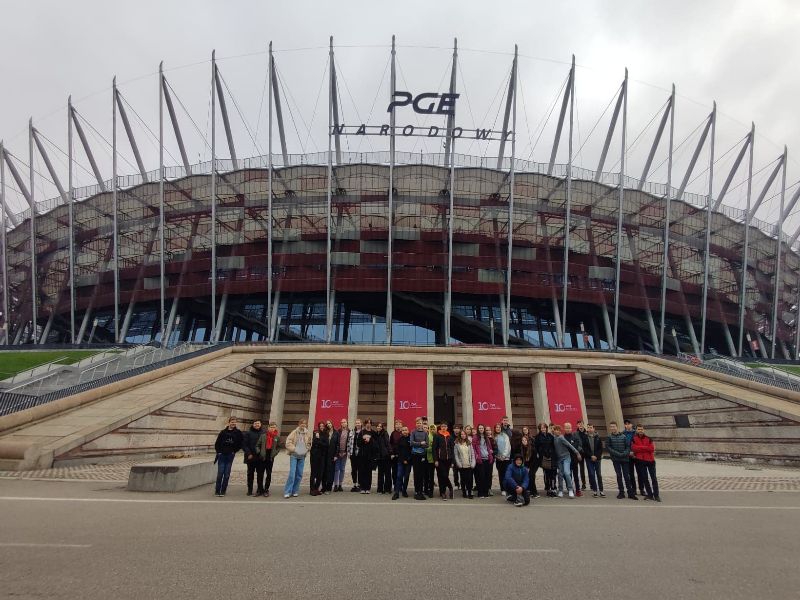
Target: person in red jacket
column 644, row 450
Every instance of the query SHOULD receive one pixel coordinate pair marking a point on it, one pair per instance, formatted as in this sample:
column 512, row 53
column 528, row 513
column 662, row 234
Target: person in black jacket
column 319, row 457
column 255, row 466
column 442, row 459
column 583, row 437
column 403, row 460
column 382, row 460
column 333, row 445
column 572, row 437
column 229, row 442
column 594, row 460
column 544, row 442
column 367, row 443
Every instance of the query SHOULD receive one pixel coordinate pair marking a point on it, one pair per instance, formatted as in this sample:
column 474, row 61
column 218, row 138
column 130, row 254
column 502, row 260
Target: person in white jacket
column 464, row 457
column 298, row 444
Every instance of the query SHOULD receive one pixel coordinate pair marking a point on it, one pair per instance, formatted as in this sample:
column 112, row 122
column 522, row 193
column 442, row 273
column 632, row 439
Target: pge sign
column 427, row 103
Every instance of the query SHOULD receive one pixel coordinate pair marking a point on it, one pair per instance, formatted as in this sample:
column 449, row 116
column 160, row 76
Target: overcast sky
column 743, row 54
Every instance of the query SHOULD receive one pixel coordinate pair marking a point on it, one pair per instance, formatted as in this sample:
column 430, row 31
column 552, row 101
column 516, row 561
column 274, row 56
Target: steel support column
column 451, row 144
column 161, row 236
column 270, row 83
column 223, row 109
column 707, row 251
column 213, row 192
column 276, row 96
column 512, row 90
column 331, row 108
column 745, row 253
column 115, row 203
column 71, row 211
column 4, row 264
column 568, row 215
column 620, row 207
column 32, row 201
column 779, row 235
column 390, row 241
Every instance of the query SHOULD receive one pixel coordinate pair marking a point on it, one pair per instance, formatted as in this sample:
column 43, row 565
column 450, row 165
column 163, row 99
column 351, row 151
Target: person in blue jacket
column 516, row 482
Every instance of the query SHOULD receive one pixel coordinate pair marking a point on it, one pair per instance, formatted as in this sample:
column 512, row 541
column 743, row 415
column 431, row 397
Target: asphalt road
column 96, row 540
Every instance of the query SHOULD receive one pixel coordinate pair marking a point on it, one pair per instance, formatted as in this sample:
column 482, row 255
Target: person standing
column 267, row 448
column 464, row 459
column 619, row 448
column 355, row 455
column 430, row 470
column 255, row 466
column 484, row 457
column 382, row 459
column 583, row 438
column 502, row 444
column 330, row 460
column 298, row 443
column 575, row 440
column 545, row 452
column 319, row 458
column 644, row 451
column 594, row 460
column 516, row 482
column 629, row 432
column 342, row 453
column 394, row 439
column 367, row 446
column 418, row 440
column 564, row 451
column 403, row 459
column 456, row 478
column 229, row 442
column 528, row 453
column 442, row 460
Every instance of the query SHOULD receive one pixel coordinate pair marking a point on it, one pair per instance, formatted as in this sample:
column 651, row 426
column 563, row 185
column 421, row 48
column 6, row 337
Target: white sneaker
column 571, row 494
column 294, row 495
column 561, row 494
column 287, row 495
column 503, row 493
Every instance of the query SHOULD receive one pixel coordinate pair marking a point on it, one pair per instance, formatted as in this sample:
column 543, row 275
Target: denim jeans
column 565, row 474
column 224, row 464
column 622, row 469
column 296, row 465
column 595, row 475
column 401, row 479
column 338, row 471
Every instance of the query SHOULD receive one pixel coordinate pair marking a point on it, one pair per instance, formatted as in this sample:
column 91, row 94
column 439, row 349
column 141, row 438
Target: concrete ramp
column 176, row 408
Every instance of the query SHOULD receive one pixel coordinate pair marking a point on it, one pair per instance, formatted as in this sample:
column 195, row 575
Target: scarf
column 271, row 435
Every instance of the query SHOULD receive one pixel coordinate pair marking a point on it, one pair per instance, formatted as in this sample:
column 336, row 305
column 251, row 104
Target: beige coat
column 291, row 441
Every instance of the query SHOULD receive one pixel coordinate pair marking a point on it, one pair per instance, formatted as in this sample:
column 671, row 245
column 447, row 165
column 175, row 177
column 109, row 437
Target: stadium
column 401, row 248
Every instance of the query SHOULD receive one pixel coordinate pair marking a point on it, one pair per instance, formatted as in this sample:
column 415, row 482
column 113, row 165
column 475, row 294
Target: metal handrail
column 31, row 373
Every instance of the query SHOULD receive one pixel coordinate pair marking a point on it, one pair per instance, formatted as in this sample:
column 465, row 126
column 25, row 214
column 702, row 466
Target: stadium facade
column 401, row 248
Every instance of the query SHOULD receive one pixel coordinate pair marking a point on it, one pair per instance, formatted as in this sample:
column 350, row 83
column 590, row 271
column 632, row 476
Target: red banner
column 410, row 396
column 488, row 397
column 333, row 396
column 563, row 398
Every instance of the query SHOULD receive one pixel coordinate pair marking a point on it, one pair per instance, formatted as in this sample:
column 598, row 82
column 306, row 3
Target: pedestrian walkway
column 673, row 475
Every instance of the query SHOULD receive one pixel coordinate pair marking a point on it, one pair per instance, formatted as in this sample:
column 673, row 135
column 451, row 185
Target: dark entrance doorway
column 444, row 409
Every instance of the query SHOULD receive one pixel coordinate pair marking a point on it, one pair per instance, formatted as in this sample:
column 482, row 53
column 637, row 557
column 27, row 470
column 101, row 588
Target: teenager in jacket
column 353, row 452
column 545, row 453
column 619, row 448
column 583, row 438
column 502, row 457
column 382, row 460
column 298, row 443
column 456, row 478
column 574, row 439
column 330, row 459
column 464, row 459
column 229, row 442
column 528, row 454
column 341, row 454
column 516, row 482
column 564, row 452
column 644, row 451
column 255, row 466
column 267, row 448
column 394, row 439
column 442, row 460
column 484, row 458
column 594, row 460
column 430, row 471
column 418, row 440
column 367, row 451
column 319, row 458
column 403, row 459
column 629, row 431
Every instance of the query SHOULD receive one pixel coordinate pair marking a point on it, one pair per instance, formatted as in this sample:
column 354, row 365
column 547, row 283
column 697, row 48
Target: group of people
column 462, row 458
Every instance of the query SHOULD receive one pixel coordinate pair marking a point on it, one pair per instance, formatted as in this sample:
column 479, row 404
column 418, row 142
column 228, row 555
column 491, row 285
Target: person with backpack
column 619, row 448
column 229, row 442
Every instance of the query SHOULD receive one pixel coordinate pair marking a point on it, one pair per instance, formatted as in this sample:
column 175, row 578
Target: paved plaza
column 80, row 534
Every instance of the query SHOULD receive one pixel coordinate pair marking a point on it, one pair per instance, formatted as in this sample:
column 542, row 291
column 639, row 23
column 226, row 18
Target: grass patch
column 788, row 368
column 13, row 362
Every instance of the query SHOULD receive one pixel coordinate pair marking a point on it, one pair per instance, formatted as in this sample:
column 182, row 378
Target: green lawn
column 788, row 368
column 13, row 362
